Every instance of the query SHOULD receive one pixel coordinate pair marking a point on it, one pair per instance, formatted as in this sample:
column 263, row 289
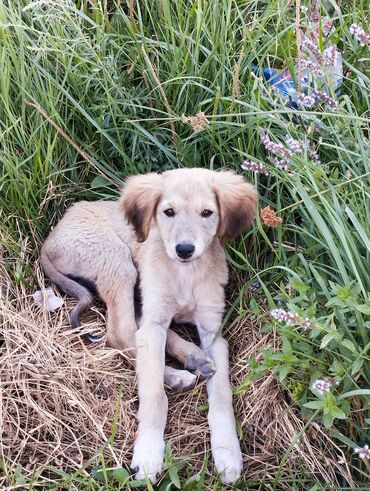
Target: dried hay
column 59, row 400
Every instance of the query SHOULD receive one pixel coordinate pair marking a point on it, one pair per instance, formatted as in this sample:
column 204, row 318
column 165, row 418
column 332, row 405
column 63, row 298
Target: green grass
column 117, row 89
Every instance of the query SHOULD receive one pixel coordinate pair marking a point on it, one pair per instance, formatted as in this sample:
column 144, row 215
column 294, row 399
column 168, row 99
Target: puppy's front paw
column 202, row 365
column 147, row 461
column 228, row 462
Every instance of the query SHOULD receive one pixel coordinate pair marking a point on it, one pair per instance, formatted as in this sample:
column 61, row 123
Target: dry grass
column 60, row 398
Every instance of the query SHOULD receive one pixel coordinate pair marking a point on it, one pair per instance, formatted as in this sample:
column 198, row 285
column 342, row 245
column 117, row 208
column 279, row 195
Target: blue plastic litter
column 283, row 82
column 280, row 80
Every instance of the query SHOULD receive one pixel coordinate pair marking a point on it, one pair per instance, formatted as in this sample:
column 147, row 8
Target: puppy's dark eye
column 206, row 213
column 169, row 212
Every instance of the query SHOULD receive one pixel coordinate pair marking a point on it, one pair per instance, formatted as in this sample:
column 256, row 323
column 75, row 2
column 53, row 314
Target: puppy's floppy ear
column 139, row 200
column 237, row 201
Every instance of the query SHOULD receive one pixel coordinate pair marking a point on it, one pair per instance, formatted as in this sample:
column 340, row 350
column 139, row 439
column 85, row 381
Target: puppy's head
column 190, row 208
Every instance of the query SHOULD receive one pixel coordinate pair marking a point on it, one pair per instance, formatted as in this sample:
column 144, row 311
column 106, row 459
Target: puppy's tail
column 68, row 285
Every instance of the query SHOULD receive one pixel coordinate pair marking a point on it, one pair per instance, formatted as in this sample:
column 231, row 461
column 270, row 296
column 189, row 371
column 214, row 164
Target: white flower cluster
column 321, row 385
column 290, row 318
column 282, row 315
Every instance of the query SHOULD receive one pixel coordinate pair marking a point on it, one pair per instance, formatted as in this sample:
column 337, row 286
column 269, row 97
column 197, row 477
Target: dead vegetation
column 62, row 401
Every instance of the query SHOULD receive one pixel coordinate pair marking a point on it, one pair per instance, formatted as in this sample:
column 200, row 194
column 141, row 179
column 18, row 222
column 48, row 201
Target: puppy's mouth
column 189, row 260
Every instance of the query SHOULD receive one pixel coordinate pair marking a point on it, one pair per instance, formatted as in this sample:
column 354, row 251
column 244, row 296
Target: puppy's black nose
column 184, row 250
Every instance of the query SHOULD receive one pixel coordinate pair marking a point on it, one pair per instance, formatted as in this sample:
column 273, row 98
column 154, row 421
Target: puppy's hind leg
column 116, row 283
column 190, row 355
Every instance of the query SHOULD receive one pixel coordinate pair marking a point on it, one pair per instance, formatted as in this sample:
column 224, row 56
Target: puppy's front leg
column 147, row 460
column 224, row 441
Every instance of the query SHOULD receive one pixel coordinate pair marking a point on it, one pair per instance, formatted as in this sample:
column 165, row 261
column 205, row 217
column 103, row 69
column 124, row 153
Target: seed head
column 198, row 122
column 269, row 217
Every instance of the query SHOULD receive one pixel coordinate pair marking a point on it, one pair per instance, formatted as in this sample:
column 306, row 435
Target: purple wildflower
column 279, row 163
column 322, row 385
column 311, row 152
column 314, row 156
column 327, row 27
column 254, row 287
column 312, row 66
column 329, row 55
column 304, row 100
column 255, row 167
column 359, row 34
column 321, row 96
column 309, row 47
column 364, row 452
column 273, row 147
column 293, row 144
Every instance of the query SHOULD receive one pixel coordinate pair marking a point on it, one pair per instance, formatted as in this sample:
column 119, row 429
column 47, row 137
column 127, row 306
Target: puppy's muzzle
column 184, row 250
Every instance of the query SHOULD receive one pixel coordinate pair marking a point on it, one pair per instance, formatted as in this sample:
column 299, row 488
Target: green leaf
column 352, row 393
column 349, row 345
column 326, row 340
column 357, row 366
column 315, row 404
column 174, row 477
column 100, row 182
column 328, row 420
column 364, row 309
column 121, row 475
column 287, row 347
column 283, row 372
column 253, row 305
column 137, row 483
column 98, row 473
column 18, row 476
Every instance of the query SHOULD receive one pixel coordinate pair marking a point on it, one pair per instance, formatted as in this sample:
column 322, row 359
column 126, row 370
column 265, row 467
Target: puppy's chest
column 185, row 301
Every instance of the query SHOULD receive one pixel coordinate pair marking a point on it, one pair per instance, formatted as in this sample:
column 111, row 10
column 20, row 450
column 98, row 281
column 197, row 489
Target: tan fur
column 110, row 243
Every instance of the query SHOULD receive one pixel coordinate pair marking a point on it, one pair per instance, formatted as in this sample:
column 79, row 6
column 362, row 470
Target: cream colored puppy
column 169, row 228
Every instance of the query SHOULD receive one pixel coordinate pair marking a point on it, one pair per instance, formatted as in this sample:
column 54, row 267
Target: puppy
column 170, row 230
